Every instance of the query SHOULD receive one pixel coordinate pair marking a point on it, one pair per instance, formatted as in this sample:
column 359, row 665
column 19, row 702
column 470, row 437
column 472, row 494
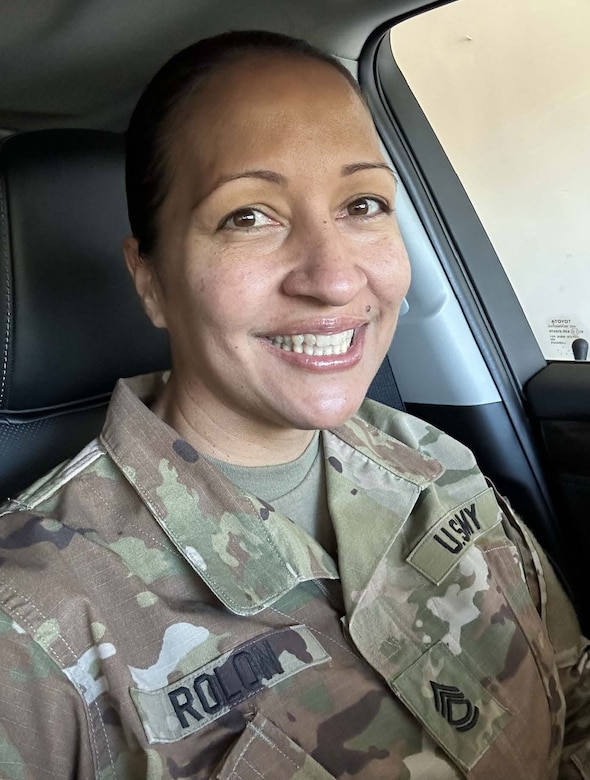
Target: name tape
column 443, row 546
column 200, row 697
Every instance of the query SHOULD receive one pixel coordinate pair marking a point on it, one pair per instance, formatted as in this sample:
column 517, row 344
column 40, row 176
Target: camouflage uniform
column 156, row 622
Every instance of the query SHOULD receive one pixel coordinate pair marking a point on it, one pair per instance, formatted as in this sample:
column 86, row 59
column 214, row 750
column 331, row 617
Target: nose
column 326, row 267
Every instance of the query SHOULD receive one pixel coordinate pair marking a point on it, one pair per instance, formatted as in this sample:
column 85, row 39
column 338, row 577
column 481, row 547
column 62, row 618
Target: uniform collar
column 374, row 481
column 249, row 555
column 376, row 432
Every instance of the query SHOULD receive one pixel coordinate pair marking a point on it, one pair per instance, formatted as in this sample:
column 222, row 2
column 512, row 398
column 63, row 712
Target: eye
column 246, row 219
column 367, row 207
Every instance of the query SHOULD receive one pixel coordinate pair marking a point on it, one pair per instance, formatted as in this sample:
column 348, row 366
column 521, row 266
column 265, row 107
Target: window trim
column 465, row 251
column 498, row 323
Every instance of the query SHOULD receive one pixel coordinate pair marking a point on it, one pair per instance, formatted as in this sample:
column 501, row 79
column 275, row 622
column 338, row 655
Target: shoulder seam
column 25, row 501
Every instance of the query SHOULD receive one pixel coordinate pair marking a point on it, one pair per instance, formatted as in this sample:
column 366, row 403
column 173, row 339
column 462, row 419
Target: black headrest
column 70, row 320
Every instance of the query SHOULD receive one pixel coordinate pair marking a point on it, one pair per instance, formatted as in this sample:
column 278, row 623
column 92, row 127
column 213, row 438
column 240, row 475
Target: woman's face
column 281, row 268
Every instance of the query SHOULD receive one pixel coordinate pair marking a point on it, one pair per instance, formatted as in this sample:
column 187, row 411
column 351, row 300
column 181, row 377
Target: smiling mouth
column 314, row 343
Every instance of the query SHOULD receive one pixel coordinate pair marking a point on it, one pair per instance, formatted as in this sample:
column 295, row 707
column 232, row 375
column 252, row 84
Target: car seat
column 70, row 321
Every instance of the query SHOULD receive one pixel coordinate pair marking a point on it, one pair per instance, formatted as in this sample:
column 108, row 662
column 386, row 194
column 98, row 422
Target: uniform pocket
column 265, row 751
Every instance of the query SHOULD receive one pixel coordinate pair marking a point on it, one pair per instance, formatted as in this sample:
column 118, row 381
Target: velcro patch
column 452, row 704
column 443, row 546
column 200, row 697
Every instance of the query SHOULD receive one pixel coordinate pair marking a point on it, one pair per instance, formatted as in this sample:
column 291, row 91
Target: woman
column 246, row 576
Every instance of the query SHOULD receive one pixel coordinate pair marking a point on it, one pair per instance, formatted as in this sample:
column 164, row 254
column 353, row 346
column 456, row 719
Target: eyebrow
column 348, row 170
column 277, row 178
column 271, row 176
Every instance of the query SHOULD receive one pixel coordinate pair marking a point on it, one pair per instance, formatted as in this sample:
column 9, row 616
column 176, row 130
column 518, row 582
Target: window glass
column 506, row 88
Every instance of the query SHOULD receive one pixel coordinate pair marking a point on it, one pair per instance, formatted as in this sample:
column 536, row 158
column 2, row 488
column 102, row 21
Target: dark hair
column 147, row 174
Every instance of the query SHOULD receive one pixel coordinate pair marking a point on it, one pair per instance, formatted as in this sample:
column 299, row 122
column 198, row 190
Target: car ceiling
column 83, row 63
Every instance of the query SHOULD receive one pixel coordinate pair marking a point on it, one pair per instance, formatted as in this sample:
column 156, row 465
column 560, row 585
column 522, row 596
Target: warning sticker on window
column 563, row 331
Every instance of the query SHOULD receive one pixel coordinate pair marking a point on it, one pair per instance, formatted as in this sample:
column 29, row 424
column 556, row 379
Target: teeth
column 315, row 343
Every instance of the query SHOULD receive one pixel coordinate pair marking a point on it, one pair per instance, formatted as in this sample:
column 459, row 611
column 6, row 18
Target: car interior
column 464, row 357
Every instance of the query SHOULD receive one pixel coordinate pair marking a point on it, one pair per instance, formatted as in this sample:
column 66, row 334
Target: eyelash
column 384, row 208
column 225, row 222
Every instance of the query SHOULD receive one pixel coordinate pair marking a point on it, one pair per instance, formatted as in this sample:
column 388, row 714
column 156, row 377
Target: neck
column 228, row 435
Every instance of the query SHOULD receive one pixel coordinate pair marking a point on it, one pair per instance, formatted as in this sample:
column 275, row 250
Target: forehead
column 273, row 108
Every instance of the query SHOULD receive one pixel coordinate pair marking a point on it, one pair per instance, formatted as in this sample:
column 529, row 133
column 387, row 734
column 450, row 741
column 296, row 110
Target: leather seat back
column 70, row 321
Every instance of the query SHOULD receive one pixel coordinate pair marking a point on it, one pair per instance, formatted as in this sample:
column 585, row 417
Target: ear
column 147, row 283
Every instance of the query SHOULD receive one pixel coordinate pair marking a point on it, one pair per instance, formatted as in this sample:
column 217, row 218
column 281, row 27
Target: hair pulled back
column 147, row 174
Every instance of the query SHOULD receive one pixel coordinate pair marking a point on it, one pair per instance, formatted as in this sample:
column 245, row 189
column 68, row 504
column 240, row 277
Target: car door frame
column 507, row 437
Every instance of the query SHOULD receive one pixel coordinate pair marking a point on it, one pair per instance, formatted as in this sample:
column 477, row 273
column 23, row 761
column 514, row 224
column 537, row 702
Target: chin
column 330, row 413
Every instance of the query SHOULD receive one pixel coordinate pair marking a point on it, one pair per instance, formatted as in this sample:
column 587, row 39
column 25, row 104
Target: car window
column 506, row 88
